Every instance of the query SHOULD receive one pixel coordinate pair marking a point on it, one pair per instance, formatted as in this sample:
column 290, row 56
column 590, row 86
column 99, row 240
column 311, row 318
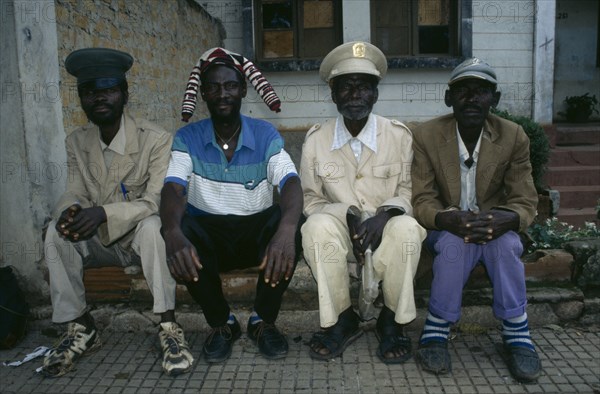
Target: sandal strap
column 390, row 342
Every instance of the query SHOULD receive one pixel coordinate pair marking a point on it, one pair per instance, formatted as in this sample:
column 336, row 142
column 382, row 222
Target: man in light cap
column 472, row 188
column 357, row 167
column 217, row 204
column 108, row 214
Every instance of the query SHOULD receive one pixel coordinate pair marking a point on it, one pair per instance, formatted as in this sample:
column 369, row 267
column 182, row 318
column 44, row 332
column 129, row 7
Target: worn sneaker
column 177, row 358
column 76, row 342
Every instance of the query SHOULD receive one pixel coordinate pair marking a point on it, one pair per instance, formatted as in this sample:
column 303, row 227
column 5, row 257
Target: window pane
column 434, row 12
column 278, row 44
column 277, row 15
column 391, row 20
column 318, row 14
column 434, row 39
column 318, row 42
column 434, row 36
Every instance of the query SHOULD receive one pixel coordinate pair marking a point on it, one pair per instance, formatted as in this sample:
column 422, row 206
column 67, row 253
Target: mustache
column 472, row 107
column 102, row 105
column 356, row 104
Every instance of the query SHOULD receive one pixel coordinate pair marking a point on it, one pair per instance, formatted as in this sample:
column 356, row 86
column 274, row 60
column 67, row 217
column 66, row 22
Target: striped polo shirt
column 243, row 186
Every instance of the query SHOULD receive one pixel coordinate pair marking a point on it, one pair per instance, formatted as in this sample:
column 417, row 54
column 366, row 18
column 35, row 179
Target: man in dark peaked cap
column 108, row 214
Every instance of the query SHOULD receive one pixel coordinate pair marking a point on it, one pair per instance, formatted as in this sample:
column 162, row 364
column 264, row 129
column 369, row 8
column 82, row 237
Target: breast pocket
column 388, row 176
column 494, row 173
column 134, row 188
column 330, row 172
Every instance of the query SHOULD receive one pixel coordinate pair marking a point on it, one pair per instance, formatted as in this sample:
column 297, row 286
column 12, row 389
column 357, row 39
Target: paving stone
column 570, row 357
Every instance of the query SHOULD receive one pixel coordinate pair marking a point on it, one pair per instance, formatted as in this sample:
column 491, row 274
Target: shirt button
column 359, row 176
column 226, row 170
column 362, row 201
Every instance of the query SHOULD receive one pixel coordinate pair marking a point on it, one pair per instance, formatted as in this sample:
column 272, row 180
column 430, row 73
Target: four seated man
column 358, row 176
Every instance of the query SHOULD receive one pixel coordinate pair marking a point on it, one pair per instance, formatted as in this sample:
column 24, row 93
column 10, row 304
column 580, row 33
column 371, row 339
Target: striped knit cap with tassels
column 244, row 66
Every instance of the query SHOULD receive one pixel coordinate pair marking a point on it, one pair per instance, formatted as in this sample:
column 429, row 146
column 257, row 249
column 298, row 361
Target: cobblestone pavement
column 129, row 363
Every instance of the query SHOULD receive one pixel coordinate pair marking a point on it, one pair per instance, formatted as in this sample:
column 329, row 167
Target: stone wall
column 164, row 37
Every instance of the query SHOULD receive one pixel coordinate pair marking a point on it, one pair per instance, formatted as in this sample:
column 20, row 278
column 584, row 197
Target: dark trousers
column 228, row 242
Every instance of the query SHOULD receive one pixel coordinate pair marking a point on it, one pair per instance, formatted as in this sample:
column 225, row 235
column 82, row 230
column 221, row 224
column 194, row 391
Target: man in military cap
column 217, row 204
column 108, row 214
column 472, row 188
column 352, row 167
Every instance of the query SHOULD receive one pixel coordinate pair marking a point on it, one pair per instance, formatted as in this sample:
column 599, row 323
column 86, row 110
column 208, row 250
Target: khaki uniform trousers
column 67, row 260
column 327, row 249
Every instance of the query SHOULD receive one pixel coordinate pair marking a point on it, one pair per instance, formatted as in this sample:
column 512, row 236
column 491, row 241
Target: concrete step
column 572, row 175
column 578, row 217
column 577, row 134
column 578, row 196
column 581, row 155
column 546, row 268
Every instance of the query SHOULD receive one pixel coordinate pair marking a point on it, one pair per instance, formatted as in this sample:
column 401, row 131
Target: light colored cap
column 355, row 57
column 473, row 68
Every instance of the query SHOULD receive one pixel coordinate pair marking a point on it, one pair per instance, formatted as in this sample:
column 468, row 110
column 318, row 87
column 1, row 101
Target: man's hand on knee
column 278, row 263
column 182, row 257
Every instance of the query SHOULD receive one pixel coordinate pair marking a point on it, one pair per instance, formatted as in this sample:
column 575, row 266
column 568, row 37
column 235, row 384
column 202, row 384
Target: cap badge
column 359, row 49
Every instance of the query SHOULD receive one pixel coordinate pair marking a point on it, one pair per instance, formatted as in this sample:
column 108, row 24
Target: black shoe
column 217, row 347
column 524, row 364
column 271, row 343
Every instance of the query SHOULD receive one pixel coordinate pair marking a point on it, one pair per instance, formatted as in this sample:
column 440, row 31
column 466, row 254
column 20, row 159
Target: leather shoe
column 217, row 347
column 271, row 343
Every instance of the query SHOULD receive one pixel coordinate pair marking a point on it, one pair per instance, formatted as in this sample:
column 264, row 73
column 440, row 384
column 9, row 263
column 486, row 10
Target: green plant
column 553, row 234
column 539, row 147
column 580, row 108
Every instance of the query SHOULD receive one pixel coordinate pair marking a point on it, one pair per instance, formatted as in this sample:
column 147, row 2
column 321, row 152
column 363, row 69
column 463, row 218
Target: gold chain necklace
column 226, row 143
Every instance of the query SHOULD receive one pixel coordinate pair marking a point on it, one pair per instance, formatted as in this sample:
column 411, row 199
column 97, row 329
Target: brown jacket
column 503, row 178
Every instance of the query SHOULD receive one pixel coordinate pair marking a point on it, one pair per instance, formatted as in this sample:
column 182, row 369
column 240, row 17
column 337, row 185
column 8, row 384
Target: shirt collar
column 246, row 138
column 118, row 142
column 463, row 153
column 368, row 135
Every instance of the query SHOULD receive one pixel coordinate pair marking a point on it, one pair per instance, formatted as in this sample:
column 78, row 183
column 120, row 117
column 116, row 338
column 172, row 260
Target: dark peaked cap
column 105, row 66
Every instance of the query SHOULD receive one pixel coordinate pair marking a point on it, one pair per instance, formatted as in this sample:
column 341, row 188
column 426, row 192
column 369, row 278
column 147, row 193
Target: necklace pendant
column 225, row 146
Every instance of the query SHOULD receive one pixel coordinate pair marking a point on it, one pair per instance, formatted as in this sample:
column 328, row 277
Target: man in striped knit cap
column 472, row 188
column 217, row 206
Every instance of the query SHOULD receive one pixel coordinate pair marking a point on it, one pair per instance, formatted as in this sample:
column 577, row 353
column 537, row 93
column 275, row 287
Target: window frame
column 463, row 30
column 298, row 31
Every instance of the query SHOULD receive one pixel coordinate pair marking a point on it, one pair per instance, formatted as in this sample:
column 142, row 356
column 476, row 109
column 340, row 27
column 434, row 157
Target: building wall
column 502, row 35
column 576, row 43
column 164, row 37
column 32, row 153
column 40, row 105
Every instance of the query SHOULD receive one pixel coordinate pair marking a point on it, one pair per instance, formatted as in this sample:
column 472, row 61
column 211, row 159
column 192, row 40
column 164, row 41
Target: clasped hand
column 366, row 234
column 76, row 223
column 478, row 227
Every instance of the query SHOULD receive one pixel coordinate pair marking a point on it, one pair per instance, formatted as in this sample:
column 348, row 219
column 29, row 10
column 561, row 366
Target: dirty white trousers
column 66, row 261
column 328, row 249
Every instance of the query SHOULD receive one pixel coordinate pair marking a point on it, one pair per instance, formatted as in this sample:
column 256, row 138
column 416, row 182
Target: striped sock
column 231, row 318
column 254, row 318
column 515, row 332
column 436, row 329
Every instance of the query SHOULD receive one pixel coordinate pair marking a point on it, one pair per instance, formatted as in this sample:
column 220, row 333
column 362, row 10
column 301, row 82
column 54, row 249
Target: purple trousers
column 453, row 262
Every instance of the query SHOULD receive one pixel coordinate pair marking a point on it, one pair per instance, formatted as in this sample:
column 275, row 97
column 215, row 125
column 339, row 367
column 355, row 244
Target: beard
column 108, row 114
column 357, row 112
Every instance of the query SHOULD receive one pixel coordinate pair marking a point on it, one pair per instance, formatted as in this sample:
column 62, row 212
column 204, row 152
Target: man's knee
column 149, row 226
column 405, row 228
column 318, row 226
